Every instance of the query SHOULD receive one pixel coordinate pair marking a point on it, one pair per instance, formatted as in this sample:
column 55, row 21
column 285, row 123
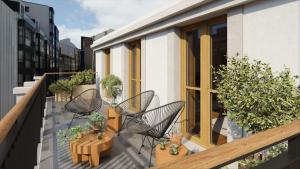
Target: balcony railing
column 223, row 155
column 20, row 135
column 20, row 127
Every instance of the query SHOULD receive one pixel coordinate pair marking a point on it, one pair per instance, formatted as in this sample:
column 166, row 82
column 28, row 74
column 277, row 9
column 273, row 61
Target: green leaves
column 256, row 98
column 110, row 83
column 81, row 78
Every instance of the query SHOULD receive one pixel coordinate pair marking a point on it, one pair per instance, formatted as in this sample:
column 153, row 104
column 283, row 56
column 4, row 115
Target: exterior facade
column 172, row 53
column 69, row 56
column 37, row 39
column 86, row 53
column 8, row 57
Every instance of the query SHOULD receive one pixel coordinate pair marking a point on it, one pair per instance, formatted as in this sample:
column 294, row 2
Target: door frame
column 137, row 79
column 205, row 137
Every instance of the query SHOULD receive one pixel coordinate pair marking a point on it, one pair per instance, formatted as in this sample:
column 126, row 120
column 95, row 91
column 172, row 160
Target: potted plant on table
column 67, row 135
column 174, row 149
column 96, row 123
column 113, row 87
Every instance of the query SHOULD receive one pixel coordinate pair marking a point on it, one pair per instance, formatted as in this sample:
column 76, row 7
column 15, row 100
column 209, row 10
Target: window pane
column 193, row 111
column 193, row 58
column 218, row 122
column 218, row 58
column 218, row 47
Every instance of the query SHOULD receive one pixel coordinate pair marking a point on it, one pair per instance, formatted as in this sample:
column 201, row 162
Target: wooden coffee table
column 163, row 156
column 90, row 148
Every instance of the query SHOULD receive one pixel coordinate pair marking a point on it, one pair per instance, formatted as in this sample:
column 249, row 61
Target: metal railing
column 20, row 127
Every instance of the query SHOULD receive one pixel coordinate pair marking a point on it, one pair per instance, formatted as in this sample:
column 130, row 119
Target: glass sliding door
column 218, row 34
column 203, row 45
column 134, row 73
column 192, row 86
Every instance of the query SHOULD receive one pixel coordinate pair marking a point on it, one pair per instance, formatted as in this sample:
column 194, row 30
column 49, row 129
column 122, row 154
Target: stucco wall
column 119, row 66
column 268, row 31
column 162, row 66
column 99, row 65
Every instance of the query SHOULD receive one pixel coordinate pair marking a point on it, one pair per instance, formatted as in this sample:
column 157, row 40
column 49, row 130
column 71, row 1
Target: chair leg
column 71, row 121
column 122, row 125
column 143, row 140
column 152, row 147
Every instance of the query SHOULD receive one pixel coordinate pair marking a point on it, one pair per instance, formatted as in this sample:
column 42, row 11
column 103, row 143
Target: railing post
column 294, row 151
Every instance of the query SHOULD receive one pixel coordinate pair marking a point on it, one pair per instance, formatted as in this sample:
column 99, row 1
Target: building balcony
column 31, row 127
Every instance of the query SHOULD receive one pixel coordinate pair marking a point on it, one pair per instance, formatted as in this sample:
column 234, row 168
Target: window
column 204, row 46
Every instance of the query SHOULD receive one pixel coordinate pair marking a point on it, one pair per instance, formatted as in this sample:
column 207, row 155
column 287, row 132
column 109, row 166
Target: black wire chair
column 155, row 123
column 84, row 104
column 135, row 106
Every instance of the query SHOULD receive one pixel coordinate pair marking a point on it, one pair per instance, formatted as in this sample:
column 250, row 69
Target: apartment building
column 37, row 39
column 173, row 50
column 69, row 56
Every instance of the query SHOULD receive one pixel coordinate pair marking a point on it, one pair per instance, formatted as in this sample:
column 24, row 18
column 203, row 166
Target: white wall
column 99, row 65
column 271, row 33
column 119, row 66
column 162, row 66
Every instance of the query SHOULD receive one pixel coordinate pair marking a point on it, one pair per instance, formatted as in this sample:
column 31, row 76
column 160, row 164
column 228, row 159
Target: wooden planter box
column 65, row 96
column 114, row 121
column 62, row 97
column 163, row 156
column 81, row 88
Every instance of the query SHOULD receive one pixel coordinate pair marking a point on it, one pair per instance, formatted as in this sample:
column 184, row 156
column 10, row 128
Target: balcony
column 30, row 128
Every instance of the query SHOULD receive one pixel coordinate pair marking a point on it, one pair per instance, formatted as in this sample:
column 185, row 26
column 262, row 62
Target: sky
column 76, row 18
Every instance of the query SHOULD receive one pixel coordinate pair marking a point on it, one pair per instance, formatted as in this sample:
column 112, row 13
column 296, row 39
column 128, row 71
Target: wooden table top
column 83, row 145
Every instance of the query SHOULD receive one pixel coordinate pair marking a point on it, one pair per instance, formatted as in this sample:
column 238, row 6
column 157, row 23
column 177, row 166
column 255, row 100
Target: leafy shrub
column 81, row 78
column 257, row 99
column 254, row 97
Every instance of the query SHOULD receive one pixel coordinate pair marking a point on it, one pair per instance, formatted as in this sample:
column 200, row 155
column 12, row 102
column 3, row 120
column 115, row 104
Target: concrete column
column 235, row 32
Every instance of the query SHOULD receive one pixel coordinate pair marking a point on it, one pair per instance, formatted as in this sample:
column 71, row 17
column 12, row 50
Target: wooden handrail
column 7, row 122
column 225, row 154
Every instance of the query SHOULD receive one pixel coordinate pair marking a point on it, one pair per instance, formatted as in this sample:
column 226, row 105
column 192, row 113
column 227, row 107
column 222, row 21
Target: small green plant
column 174, row 149
column 113, row 86
column 162, row 143
column 73, row 133
column 96, row 121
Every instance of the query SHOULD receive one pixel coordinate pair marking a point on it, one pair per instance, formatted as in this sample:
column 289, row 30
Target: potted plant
column 174, row 149
column 112, row 86
column 96, row 123
column 162, row 143
column 67, row 88
column 67, row 135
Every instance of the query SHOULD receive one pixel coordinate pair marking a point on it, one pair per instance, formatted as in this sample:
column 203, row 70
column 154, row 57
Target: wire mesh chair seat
column 135, row 106
column 155, row 123
column 84, row 104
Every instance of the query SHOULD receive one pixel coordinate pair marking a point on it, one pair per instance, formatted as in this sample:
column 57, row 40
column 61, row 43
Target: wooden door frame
column 204, row 139
column 138, row 71
column 107, row 62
